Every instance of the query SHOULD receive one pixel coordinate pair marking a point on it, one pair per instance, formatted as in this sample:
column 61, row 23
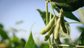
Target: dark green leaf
column 60, row 1
column 15, row 38
column 82, row 35
column 71, row 16
column 44, row 45
column 67, row 14
column 81, row 14
column 67, row 25
column 22, row 42
column 3, row 33
column 1, row 26
column 63, row 25
column 68, row 5
column 15, row 41
column 43, row 15
column 30, row 43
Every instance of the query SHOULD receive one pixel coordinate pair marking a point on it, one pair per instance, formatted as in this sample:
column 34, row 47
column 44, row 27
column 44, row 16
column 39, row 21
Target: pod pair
column 57, row 25
column 49, row 28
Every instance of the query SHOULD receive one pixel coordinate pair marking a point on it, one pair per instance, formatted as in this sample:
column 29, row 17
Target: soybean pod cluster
column 55, row 26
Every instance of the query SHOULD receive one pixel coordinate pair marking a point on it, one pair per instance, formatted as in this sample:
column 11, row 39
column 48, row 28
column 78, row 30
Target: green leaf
column 14, row 38
column 43, row 15
column 44, row 45
column 67, row 25
column 71, row 16
column 63, row 25
column 30, row 43
column 82, row 35
column 81, row 14
column 15, row 41
column 67, row 14
column 3, row 33
column 69, row 5
column 22, row 42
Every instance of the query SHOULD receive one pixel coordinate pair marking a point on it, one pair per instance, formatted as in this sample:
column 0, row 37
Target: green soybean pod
column 48, row 26
column 68, row 28
column 57, row 26
column 49, row 33
column 56, row 29
column 63, row 34
column 63, row 25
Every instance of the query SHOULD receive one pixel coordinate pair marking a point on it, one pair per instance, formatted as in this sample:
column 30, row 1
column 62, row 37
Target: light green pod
column 57, row 25
column 48, row 26
column 57, row 28
column 49, row 33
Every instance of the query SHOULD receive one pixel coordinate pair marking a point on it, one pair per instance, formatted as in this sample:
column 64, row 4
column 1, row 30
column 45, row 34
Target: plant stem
column 46, row 12
column 65, row 45
column 52, row 7
column 47, row 20
column 74, row 22
column 50, row 16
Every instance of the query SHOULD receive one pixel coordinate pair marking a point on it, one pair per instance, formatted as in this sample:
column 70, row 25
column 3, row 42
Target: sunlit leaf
column 30, row 43
column 81, row 14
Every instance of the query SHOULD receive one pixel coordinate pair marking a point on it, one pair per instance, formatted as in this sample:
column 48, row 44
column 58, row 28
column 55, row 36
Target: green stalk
column 50, row 16
column 74, row 22
column 47, row 20
column 52, row 7
column 52, row 10
column 50, row 42
column 46, row 12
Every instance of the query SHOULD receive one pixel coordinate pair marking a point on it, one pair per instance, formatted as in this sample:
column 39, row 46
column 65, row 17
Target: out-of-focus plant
column 10, row 42
column 31, row 44
column 3, row 33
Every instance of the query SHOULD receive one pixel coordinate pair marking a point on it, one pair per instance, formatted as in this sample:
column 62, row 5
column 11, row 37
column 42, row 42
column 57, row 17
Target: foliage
column 3, row 33
column 44, row 45
column 13, row 42
column 82, row 35
column 30, row 43
column 43, row 15
column 69, row 5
